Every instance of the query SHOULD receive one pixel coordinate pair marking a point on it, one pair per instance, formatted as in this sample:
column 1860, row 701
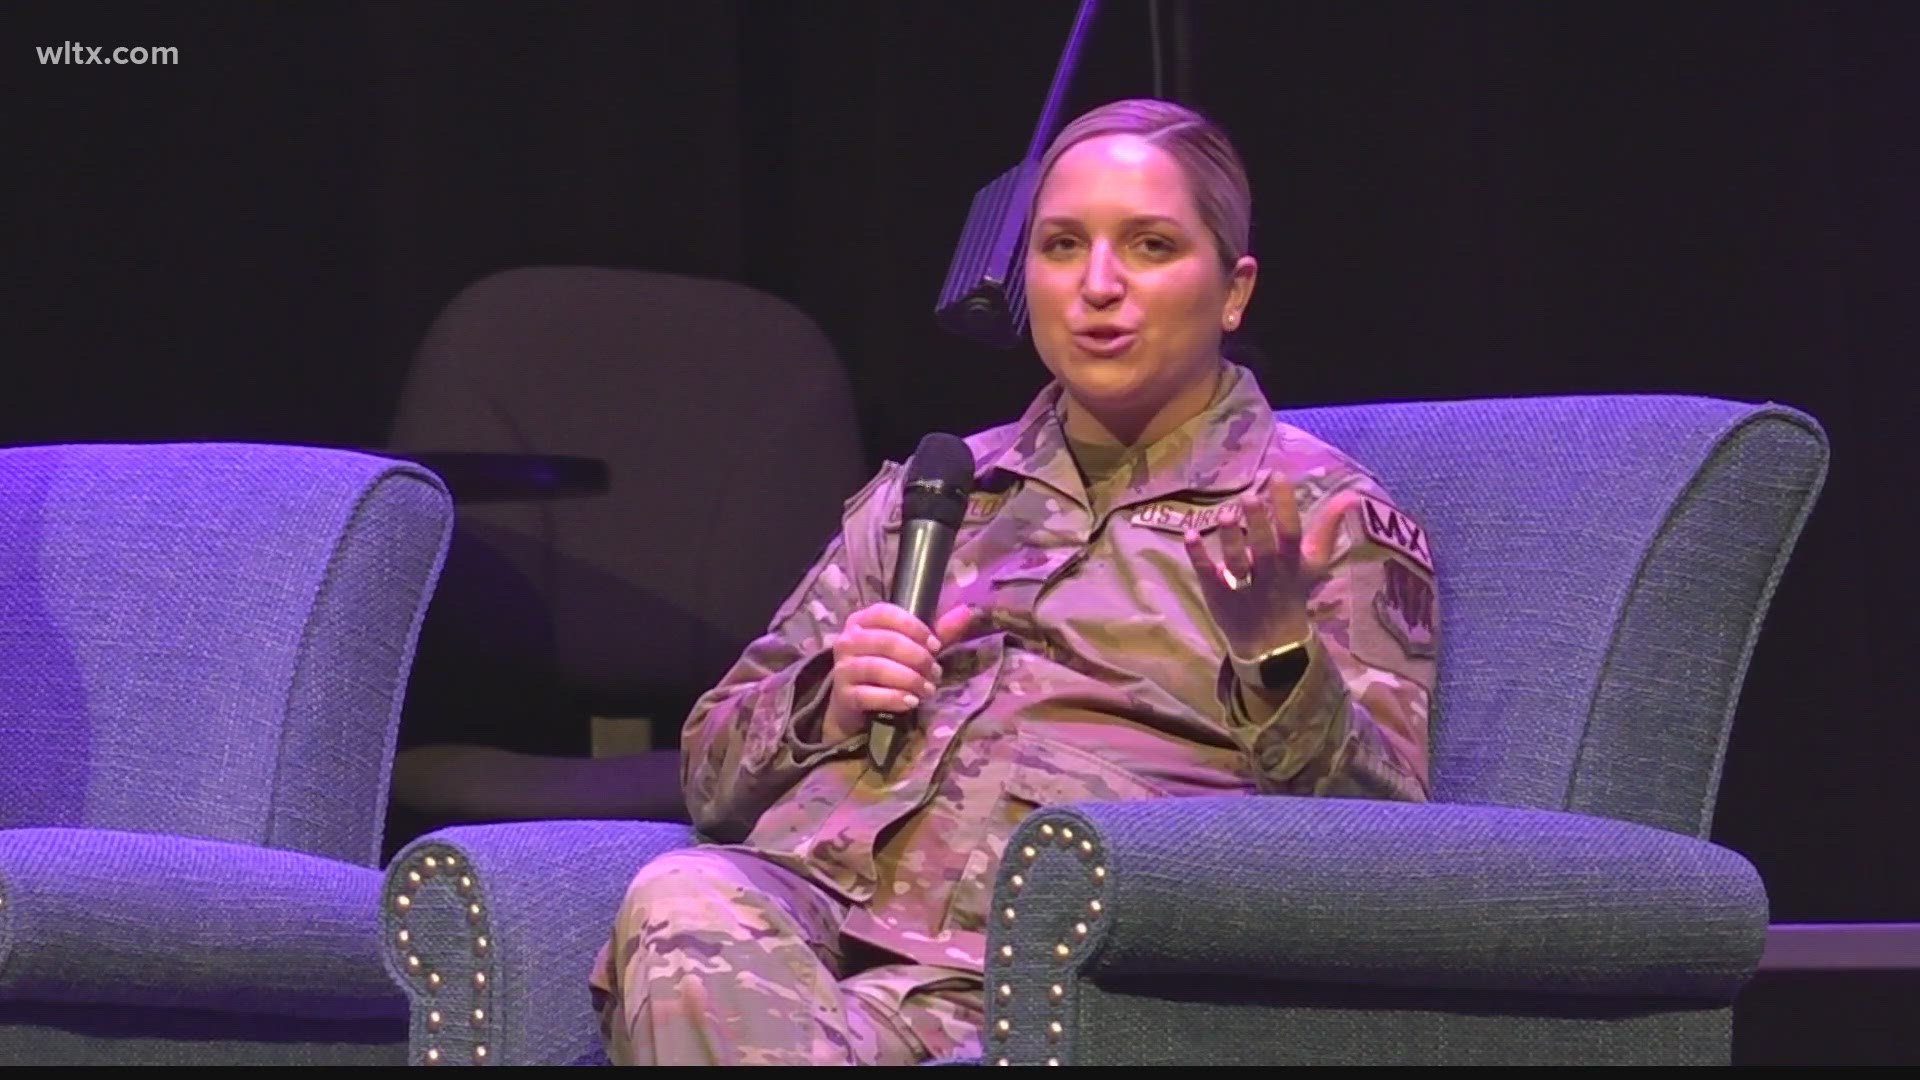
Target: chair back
column 1605, row 565
column 210, row 640
column 727, row 425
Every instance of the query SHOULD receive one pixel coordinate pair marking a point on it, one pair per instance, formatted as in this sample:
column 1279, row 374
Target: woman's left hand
column 1257, row 592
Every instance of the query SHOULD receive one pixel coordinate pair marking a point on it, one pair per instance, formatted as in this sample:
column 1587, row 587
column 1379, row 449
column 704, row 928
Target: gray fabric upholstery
column 1320, row 912
column 136, row 920
column 541, row 895
column 1605, row 564
column 1388, row 894
column 203, row 651
column 1605, row 567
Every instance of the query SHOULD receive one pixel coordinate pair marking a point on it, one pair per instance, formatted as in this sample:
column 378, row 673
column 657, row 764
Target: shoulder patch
column 1391, row 528
column 1405, row 607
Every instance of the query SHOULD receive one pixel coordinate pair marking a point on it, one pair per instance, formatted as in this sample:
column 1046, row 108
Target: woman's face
column 1125, row 291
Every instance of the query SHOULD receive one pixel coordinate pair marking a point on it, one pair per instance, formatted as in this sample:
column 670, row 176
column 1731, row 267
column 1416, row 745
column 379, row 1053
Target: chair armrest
column 492, row 931
column 110, row 919
column 1362, row 893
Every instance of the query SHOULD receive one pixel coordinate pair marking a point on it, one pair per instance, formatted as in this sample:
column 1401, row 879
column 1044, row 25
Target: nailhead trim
column 1063, row 950
column 425, row 866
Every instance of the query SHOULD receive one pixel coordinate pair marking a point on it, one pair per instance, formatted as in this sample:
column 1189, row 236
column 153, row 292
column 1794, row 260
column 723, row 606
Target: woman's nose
column 1101, row 284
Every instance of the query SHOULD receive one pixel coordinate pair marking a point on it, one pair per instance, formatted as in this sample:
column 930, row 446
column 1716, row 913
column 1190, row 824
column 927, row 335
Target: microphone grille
column 939, row 479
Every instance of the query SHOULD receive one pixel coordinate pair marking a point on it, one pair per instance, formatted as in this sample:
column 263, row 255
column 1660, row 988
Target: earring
column 1233, row 321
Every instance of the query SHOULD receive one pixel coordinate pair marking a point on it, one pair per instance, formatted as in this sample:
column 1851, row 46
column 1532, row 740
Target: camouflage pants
column 719, row 957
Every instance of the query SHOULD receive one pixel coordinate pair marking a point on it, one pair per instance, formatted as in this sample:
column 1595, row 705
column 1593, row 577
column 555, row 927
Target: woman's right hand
column 883, row 662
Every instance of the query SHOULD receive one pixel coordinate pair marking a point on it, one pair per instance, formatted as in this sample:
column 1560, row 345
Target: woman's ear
column 1239, row 292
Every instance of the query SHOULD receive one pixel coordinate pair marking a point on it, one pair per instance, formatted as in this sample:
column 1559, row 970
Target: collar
column 1216, row 452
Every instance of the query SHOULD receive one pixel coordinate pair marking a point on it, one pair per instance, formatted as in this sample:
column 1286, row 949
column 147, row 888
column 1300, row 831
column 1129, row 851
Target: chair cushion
column 116, row 918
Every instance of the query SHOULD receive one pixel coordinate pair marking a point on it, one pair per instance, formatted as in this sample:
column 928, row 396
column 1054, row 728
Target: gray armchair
column 1605, row 566
column 203, row 650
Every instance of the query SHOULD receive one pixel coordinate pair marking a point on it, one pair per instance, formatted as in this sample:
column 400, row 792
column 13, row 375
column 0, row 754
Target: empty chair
column 727, row 428
column 203, row 651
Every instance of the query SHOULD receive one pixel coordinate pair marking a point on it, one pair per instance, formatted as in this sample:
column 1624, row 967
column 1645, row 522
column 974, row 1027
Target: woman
column 1157, row 591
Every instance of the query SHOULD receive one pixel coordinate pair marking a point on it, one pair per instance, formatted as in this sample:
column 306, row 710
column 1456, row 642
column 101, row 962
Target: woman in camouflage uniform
column 1158, row 590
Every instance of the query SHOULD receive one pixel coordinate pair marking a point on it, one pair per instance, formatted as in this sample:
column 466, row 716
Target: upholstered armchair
column 1605, row 564
column 203, row 650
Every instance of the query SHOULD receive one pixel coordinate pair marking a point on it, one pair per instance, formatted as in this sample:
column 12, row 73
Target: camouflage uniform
column 1094, row 673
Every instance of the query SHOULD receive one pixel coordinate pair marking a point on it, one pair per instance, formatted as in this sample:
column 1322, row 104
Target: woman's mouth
column 1104, row 341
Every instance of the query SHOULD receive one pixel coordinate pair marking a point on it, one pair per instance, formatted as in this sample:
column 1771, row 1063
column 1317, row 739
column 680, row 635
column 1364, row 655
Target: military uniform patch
column 1390, row 527
column 1167, row 517
column 981, row 507
column 1405, row 609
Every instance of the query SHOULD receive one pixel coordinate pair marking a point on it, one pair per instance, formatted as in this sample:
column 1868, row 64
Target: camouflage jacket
column 1096, row 672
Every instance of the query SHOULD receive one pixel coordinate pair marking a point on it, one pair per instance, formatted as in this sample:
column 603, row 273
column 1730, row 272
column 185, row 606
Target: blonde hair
column 1218, row 178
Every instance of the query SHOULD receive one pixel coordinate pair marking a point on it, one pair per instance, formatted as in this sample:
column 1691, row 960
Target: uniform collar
column 1218, row 451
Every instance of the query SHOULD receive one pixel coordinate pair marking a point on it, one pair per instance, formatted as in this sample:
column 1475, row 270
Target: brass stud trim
column 480, row 1052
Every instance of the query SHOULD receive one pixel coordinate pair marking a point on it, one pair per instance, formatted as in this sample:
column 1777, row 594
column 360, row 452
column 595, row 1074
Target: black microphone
column 933, row 503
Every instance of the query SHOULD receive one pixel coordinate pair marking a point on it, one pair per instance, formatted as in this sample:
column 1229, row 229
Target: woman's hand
column 1257, row 592
column 883, row 662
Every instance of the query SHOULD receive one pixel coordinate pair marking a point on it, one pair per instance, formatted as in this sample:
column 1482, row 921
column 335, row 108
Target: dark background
column 1453, row 200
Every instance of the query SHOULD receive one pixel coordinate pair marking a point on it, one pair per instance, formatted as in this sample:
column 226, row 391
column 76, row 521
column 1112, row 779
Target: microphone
column 933, row 503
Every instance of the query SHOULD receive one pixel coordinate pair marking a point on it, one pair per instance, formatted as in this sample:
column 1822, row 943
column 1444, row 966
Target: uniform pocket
column 1047, row 772
column 1043, row 772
